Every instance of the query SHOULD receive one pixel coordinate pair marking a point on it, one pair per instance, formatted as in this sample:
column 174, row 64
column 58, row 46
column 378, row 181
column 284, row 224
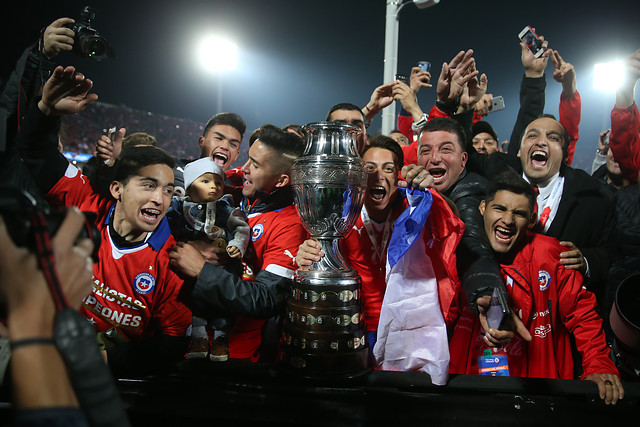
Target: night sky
column 298, row 58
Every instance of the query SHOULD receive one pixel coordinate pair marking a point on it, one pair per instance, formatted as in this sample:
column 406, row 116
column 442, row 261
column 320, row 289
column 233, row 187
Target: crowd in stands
column 490, row 224
column 176, row 135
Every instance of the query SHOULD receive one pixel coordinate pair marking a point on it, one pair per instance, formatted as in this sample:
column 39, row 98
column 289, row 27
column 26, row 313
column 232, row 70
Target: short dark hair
column 289, row 146
column 138, row 138
column 446, row 124
column 565, row 136
column 388, row 143
column 229, row 119
column 293, row 127
column 135, row 158
column 344, row 106
column 512, row 181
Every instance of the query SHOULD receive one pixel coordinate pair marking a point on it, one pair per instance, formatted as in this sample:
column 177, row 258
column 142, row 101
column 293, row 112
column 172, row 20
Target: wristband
column 30, row 341
column 416, row 126
column 448, row 108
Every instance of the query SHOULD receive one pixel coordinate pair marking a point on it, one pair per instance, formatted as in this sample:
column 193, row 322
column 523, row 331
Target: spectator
column 484, row 138
column 351, row 114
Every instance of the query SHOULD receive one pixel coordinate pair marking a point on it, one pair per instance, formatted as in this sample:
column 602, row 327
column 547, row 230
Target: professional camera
column 18, row 207
column 87, row 42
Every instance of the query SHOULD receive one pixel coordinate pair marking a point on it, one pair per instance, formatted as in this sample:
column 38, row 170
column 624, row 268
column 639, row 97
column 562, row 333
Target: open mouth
column 377, row 193
column 150, row 215
column 504, row 235
column 539, row 158
column 219, row 158
column 437, row 174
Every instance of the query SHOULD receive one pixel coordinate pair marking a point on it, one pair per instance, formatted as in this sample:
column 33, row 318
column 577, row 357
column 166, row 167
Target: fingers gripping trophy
column 324, row 332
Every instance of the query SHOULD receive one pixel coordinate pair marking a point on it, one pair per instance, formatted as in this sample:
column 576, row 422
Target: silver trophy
column 324, row 333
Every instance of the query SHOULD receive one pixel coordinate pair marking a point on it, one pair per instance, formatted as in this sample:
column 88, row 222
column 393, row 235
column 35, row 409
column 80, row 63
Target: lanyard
column 378, row 250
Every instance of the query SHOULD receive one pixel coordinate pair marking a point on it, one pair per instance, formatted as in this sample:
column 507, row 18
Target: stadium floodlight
column 423, row 4
column 218, row 54
column 608, row 76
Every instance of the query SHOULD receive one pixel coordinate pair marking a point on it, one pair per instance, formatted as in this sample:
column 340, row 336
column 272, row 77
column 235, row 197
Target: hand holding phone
column 403, row 78
column 497, row 311
column 497, row 104
column 532, row 41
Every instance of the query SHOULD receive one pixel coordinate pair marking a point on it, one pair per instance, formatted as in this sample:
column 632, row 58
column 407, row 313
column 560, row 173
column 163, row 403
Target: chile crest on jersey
column 544, row 278
column 256, row 232
column 144, row 283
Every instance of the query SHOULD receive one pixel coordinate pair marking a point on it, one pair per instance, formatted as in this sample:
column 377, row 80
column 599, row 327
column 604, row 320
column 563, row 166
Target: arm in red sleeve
column 624, row 140
column 570, row 108
column 578, row 310
column 404, row 124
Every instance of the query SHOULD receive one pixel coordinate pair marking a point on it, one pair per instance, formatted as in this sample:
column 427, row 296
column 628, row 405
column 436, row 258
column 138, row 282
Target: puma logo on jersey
column 359, row 230
column 290, row 255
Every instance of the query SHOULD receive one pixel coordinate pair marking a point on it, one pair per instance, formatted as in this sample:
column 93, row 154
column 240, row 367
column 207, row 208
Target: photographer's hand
column 66, row 92
column 57, row 37
column 40, row 378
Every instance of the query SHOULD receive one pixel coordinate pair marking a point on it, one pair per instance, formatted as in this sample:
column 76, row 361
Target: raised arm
column 624, row 140
column 570, row 102
column 531, row 93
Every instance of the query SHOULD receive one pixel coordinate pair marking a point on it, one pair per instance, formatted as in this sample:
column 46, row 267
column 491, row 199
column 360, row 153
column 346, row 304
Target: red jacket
column 624, row 140
column 553, row 304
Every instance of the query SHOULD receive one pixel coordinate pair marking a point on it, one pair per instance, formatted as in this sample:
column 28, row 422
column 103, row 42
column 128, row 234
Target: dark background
column 298, row 58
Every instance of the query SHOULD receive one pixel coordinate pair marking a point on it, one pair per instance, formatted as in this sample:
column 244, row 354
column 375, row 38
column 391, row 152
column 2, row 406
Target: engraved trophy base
column 324, row 332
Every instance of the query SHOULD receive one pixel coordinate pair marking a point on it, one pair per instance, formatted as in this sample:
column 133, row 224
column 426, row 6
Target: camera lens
column 95, row 48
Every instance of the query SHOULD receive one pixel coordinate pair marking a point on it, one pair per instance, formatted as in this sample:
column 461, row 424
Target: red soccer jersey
column 360, row 254
column 276, row 236
column 134, row 290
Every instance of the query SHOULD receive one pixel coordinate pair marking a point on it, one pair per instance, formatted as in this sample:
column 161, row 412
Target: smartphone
column 111, row 133
column 497, row 104
column 424, row 65
column 498, row 311
column 403, row 78
column 531, row 40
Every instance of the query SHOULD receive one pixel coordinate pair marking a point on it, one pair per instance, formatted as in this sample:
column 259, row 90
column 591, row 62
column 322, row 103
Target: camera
column 87, row 42
column 17, row 208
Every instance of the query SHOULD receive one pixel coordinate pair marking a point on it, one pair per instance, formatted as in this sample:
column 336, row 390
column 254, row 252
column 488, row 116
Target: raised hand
column 381, row 97
column 419, row 79
column 564, row 73
column 534, row 67
column 66, row 92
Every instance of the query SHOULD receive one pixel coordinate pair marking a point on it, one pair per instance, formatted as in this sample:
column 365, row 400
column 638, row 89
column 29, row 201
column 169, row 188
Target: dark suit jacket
column 583, row 213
